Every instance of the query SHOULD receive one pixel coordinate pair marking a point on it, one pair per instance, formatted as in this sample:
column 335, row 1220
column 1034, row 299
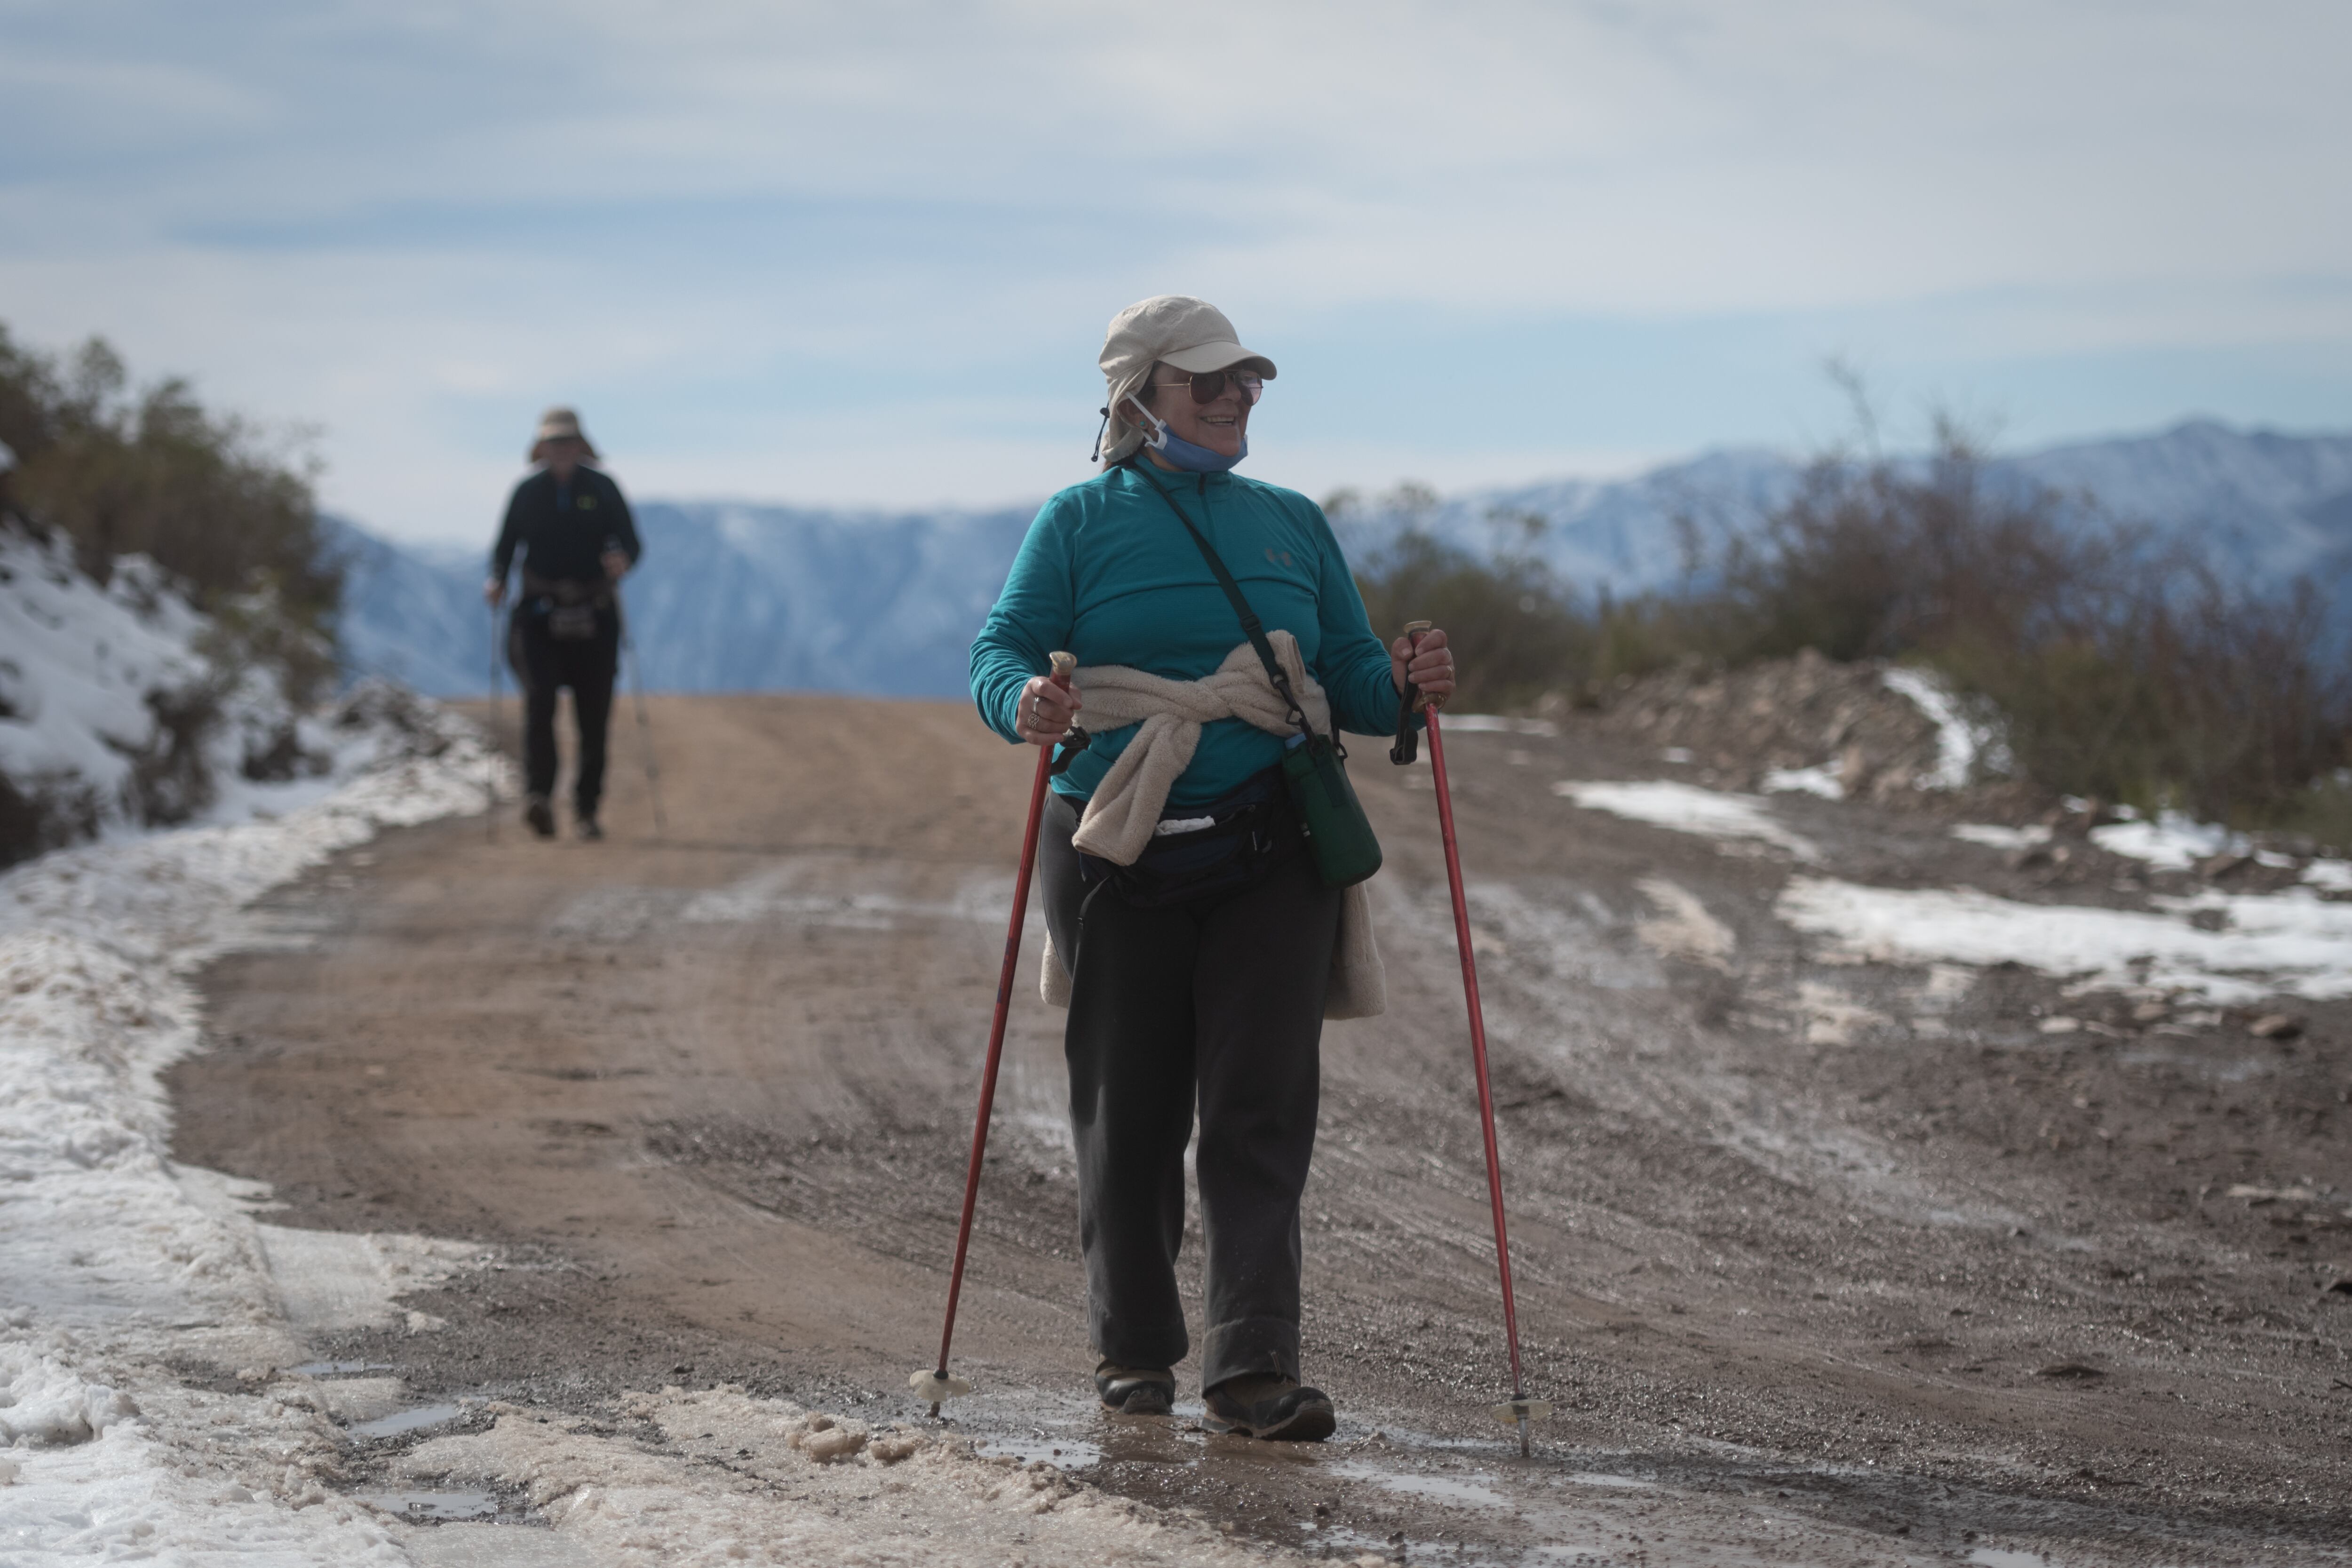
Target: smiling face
column 1219, row 423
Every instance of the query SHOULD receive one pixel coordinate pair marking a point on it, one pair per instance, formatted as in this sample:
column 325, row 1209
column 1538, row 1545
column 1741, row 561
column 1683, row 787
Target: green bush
column 124, row 470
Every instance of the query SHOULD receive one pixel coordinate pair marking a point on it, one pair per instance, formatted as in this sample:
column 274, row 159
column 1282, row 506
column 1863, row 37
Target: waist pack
column 571, row 622
column 1242, row 837
column 571, row 604
column 1314, row 770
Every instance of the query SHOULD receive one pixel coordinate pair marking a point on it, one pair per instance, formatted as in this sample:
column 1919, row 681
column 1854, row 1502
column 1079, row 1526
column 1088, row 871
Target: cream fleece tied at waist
column 1120, row 820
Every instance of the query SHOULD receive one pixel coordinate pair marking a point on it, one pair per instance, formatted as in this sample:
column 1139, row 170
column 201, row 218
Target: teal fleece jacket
column 1108, row 573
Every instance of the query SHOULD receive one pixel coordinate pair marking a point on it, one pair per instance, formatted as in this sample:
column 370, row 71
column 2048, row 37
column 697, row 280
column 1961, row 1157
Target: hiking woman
column 1190, row 933
column 577, row 540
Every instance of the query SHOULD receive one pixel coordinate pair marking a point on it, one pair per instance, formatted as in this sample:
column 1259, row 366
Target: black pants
column 1222, row 1002
column 544, row 665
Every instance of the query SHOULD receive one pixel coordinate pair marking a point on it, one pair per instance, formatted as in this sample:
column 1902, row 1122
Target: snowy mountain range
column 736, row 597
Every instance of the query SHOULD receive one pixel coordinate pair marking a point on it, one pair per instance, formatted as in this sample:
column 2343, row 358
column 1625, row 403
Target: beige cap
column 556, row 424
column 1177, row 330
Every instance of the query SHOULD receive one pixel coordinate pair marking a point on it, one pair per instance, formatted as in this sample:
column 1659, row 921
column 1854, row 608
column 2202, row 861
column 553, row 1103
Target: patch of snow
column 80, row 664
column 2173, row 842
column 1495, row 724
column 164, row 1492
column 2003, row 1557
column 1710, row 814
column 2329, row 876
column 42, row 1403
column 2286, row 943
column 1683, row 928
column 113, row 718
column 1965, row 746
column 1818, row 781
column 1832, row 1017
column 828, row 891
column 335, row 1282
column 1993, row 836
column 121, row 1265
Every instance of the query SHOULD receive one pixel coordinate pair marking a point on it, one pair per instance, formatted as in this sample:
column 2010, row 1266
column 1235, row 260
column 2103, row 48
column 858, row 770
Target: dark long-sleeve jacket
column 562, row 530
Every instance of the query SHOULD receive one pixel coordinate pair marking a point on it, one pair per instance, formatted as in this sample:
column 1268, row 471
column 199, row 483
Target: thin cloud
column 413, row 224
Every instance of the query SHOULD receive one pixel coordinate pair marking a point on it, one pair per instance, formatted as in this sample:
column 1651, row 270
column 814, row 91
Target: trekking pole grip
column 1407, row 748
column 1413, row 632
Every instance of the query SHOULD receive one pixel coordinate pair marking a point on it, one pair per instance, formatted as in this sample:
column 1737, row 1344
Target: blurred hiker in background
column 1196, row 942
column 577, row 541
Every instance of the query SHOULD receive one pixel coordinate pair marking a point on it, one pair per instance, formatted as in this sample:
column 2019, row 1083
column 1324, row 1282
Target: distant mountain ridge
column 738, row 597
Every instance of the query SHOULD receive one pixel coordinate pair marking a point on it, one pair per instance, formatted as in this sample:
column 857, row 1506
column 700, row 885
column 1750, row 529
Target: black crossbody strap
column 1251, row 624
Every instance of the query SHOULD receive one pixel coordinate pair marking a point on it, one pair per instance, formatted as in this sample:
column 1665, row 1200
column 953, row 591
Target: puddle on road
column 433, row 1505
column 340, row 1368
column 1463, row 1491
column 1436, row 1488
column 1062, row 1452
column 1467, row 1501
column 405, row 1421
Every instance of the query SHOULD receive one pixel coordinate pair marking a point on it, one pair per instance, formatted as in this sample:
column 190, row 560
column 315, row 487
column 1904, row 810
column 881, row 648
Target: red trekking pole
column 1519, row 1410
column 933, row 1383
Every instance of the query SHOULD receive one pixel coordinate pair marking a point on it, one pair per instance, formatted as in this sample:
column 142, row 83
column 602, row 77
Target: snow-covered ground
column 120, row 707
column 2288, row 943
column 1729, row 819
column 118, row 1264
column 2226, row 947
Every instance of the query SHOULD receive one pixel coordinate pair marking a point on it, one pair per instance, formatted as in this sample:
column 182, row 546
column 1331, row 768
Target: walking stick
column 491, row 813
column 644, row 726
column 637, row 687
column 1519, row 1410
column 933, row 1383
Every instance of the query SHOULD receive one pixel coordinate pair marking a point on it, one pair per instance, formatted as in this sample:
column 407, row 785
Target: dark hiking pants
column 1218, row 1002
column 544, row 665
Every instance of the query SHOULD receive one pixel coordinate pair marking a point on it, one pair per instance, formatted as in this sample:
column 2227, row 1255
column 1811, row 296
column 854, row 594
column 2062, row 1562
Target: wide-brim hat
column 1177, row 330
column 560, row 425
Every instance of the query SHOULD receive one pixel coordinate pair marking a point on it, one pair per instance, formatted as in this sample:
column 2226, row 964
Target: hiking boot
column 1271, row 1407
column 1136, row 1390
column 588, row 829
column 539, row 814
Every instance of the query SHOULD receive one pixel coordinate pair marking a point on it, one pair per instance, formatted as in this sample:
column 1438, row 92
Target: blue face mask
column 1191, row 456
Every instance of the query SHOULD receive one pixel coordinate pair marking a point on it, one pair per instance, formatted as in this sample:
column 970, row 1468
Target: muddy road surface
column 1821, row 1261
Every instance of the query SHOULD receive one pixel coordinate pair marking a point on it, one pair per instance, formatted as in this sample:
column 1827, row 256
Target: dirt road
column 1821, row 1262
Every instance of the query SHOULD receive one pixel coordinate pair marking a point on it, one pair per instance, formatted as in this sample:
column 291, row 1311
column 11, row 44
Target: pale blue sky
column 865, row 253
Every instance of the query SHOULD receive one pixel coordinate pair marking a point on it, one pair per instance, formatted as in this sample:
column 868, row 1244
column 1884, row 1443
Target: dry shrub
column 1510, row 622
column 126, row 470
column 2127, row 668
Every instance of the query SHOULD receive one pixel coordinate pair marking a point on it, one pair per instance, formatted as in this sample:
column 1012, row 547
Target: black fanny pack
column 571, row 607
column 1247, row 833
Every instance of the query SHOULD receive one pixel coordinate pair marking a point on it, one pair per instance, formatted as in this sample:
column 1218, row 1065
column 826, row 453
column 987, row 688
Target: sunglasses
column 1210, row 384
